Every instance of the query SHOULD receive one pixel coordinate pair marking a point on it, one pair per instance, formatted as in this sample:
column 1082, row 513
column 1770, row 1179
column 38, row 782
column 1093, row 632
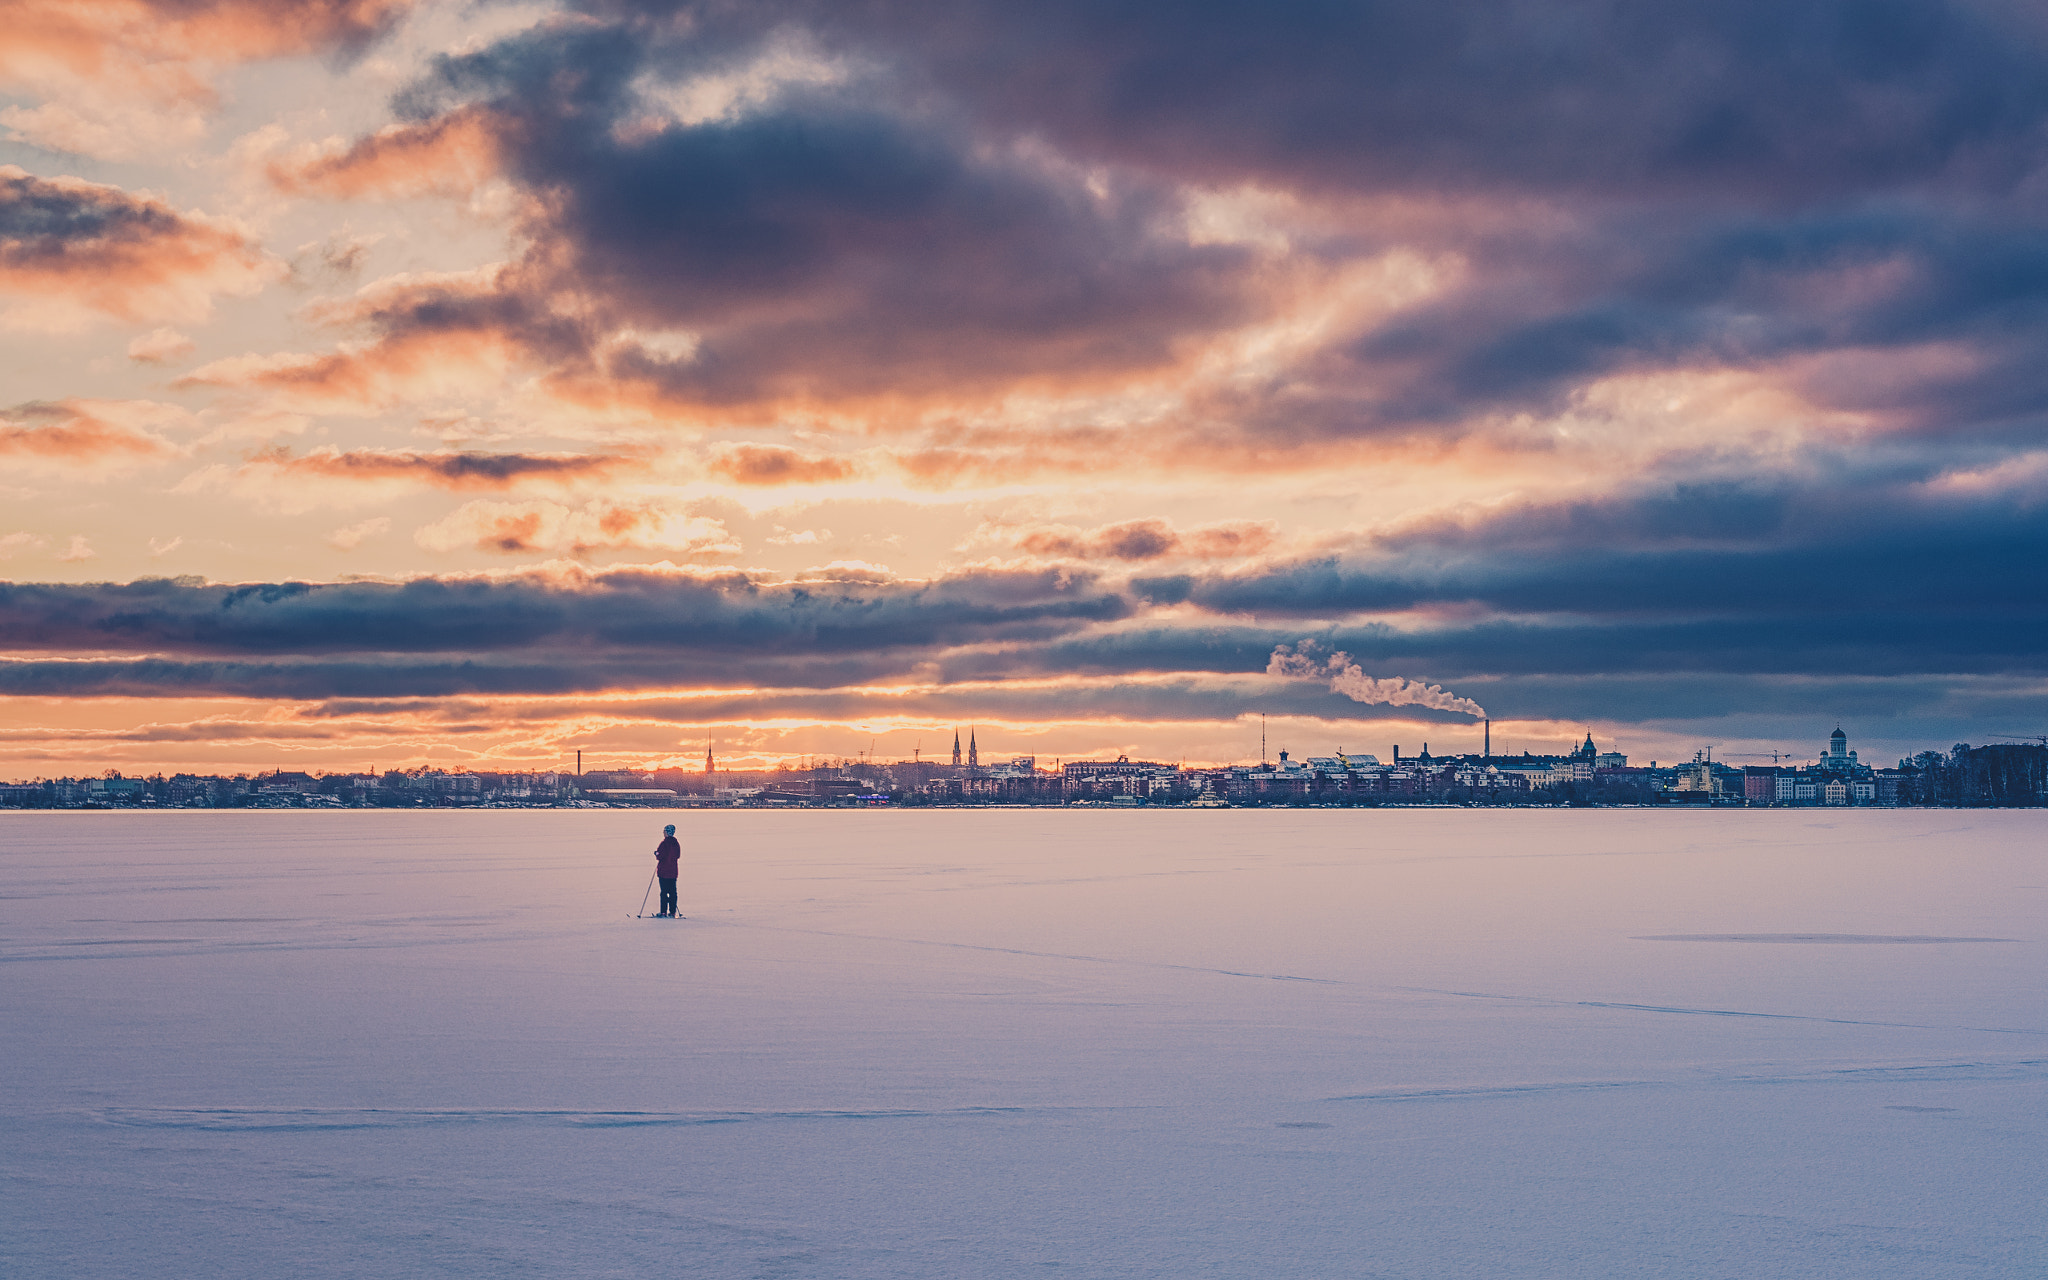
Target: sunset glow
column 399, row 383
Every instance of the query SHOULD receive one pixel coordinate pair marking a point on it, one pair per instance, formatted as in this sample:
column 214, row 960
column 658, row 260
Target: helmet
column 669, row 830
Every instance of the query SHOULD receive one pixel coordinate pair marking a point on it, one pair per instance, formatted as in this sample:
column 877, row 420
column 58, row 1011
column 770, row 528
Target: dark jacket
column 665, row 855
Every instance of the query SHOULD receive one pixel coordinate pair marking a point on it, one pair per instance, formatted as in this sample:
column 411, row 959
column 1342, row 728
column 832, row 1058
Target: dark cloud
column 1865, row 579
column 1655, row 292
column 1770, row 102
column 445, row 469
column 817, row 247
column 616, row 611
column 994, row 198
column 1715, row 600
column 1712, row 184
column 79, row 244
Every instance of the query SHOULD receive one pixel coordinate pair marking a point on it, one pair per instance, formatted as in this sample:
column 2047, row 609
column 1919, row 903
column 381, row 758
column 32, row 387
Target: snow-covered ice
column 1413, row 1043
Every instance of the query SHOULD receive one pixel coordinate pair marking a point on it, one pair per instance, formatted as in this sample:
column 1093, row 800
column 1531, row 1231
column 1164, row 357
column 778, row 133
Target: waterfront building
column 1760, row 784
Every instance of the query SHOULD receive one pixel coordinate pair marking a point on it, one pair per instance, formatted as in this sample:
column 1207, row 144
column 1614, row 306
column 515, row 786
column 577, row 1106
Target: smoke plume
column 1305, row 662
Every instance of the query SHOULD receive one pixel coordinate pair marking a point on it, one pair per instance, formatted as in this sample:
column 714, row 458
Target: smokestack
column 1489, row 739
column 579, row 764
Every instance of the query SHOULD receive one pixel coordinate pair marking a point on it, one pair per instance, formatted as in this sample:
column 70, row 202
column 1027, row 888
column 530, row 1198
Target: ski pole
column 643, row 897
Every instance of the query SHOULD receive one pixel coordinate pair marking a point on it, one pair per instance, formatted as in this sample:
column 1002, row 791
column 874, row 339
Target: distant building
column 1839, row 759
column 1121, row 776
column 1016, row 767
column 1760, row 785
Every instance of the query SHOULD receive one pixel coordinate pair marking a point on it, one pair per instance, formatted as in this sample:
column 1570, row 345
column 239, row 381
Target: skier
column 665, row 855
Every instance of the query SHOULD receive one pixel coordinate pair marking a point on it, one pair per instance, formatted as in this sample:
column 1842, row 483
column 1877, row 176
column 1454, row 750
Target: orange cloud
column 515, row 528
column 77, row 436
column 1135, row 540
column 71, row 250
column 765, row 464
column 160, row 346
column 446, row 156
column 442, row 334
column 104, row 38
column 119, row 79
column 366, row 380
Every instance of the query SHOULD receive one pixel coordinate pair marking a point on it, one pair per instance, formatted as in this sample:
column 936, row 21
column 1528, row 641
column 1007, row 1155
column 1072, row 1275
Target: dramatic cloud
column 1669, row 365
column 826, row 240
column 813, row 248
column 1759, row 102
column 70, row 249
column 701, row 620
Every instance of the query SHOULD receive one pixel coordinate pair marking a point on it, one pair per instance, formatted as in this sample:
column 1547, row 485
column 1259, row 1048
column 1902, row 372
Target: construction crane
column 2026, row 737
column 1775, row 756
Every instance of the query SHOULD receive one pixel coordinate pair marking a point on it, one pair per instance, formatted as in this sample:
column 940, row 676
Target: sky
column 394, row 384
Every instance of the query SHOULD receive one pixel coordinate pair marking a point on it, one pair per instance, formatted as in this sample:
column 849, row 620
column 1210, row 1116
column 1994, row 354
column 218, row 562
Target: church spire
column 973, row 752
column 956, row 748
column 710, row 765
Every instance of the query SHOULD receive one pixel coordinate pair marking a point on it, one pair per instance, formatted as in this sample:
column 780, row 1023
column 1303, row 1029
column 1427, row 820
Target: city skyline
column 1834, row 756
column 431, row 383
column 1997, row 775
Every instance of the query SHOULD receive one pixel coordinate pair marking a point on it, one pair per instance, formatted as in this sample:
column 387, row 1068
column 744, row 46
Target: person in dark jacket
column 666, row 855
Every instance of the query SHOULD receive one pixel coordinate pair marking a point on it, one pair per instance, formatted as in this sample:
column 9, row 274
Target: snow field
column 1411, row 1044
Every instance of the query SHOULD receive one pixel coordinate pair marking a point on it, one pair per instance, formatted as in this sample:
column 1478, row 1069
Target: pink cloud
column 79, row 436
column 1137, row 540
column 72, row 251
column 515, row 528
